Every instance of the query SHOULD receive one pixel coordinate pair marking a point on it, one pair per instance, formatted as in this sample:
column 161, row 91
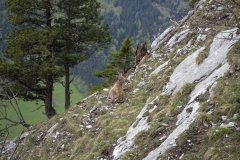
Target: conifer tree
column 4, row 25
column 122, row 61
column 31, row 65
column 81, row 35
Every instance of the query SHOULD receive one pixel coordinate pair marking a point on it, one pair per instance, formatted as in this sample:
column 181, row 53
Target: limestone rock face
column 159, row 118
column 188, row 71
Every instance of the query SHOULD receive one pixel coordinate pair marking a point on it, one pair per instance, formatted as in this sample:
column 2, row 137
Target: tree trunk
column 49, row 110
column 67, row 87
column 67, row 72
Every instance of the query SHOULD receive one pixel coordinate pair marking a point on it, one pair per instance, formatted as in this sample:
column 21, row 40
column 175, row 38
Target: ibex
column 141, row 54
column 116, row 92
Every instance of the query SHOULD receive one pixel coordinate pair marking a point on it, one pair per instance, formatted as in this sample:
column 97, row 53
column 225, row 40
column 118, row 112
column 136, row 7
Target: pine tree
column 82, row 35
column 4, row 25
column 122, row 61
column 31, row 60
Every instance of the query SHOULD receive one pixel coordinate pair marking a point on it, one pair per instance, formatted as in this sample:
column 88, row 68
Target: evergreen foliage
column 140, row 19
column 31, row 61
column 81, row 35
column 122, row 61
column 4, row 25
column 49, row 38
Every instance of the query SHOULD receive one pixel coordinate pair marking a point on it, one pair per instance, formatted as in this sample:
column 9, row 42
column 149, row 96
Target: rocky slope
column 182, row 103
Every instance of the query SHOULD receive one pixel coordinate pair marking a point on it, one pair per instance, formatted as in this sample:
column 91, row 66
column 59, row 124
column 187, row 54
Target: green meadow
column 33, row 114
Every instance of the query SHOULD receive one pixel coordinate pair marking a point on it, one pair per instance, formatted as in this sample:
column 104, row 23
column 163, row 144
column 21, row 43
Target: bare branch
column 38, row 108
column 71, row 80
column 9, row 100
column 4, row 143
column 19, row 137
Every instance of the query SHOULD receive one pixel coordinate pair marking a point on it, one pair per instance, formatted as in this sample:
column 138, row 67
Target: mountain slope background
column 139, row 19
column 125, row 18
column 182, row 103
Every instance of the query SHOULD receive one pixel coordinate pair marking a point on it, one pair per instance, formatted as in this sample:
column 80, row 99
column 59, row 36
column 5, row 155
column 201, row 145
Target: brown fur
column 116, row 92
column 143, row 59
column 141, row 52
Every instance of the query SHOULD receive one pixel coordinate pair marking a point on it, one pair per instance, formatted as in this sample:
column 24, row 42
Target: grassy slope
column 33, row 117
column 80, row 142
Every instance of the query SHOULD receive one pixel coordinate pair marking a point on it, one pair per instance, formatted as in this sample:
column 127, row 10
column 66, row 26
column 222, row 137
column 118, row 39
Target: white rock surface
column 105, row 89
column 199, row 5
column 224, row 118
column 201, row 37
column 141, row 84
column 89, row 126
column 162, row 138
column 93, row 109
column 162, row 36
column 10, row 146
column 24, row 135
column 235, row 116
column 160, row 68
column 152, row 109
column 185, row 72
column 128, row 143
column 136, row 90
column 170, row 141
column 50, row 131
column 75, row 115
column 188, row 71
column 229, row 125
column 177, row 38
column 104, row 108
column 201, row 87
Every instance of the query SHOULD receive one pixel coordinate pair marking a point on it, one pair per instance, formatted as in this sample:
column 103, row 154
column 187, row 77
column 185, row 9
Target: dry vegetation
column 91, row 128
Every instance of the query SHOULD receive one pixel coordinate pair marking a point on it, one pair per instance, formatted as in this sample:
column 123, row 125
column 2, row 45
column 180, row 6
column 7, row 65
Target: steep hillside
column 182, row 103
column 140, row 19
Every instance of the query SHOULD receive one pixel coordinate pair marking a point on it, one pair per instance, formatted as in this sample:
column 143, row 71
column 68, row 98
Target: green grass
column 34, row 116
column 201, row 57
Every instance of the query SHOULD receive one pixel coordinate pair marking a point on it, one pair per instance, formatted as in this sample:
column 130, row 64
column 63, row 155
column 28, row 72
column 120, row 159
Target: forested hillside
column 181, row 103
column 5, row 27
column 46, row 40
column 142, row 20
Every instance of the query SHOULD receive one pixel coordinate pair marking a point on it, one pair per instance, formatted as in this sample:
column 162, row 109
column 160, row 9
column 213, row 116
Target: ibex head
column 121, row 78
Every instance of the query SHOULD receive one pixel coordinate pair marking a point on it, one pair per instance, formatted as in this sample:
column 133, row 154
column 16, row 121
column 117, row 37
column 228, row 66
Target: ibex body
column 116, row 92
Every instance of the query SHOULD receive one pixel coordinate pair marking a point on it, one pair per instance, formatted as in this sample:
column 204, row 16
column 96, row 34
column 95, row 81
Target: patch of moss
column 201, row 56
column 233, row 56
